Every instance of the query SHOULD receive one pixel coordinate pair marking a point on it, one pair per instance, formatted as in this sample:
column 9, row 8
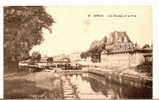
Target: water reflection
column 90, row 86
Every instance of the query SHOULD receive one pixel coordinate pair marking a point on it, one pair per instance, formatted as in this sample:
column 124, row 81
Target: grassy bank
column 40, row 85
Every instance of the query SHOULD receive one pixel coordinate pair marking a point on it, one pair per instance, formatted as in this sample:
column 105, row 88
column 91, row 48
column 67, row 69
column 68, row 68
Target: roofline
column 131, row 51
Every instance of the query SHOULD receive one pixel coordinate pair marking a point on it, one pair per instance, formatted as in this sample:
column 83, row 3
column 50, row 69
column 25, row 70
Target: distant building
column 60, row 57
column 75, row 57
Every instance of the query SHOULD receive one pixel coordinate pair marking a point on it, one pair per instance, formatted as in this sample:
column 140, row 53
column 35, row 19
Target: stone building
column 125, row 55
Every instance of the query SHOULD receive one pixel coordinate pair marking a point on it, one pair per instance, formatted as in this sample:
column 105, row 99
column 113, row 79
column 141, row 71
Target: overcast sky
column 74, row 30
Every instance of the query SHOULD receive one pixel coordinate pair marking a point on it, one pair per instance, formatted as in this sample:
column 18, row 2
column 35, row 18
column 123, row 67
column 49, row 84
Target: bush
column 36, row 56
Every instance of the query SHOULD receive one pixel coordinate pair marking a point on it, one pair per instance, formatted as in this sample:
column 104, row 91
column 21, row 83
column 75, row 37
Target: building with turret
column 120, row 51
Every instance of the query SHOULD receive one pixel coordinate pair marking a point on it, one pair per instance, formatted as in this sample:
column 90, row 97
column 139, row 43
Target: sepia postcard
column 78, row 52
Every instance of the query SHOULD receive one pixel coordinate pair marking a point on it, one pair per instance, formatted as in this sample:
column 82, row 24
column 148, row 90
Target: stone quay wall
column 123, row 78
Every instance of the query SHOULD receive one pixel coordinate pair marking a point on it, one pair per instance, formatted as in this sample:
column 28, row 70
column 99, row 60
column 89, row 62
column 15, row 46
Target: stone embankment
column 69, row 90
column 121, row 75
column 124, row 78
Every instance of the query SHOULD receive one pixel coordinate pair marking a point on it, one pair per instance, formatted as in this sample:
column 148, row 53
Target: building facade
column 125, row 56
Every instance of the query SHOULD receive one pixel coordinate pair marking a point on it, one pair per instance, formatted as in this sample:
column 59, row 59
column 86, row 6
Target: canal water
column 90, row 86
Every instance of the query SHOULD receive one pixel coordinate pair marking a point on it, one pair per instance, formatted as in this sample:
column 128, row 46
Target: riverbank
column 71, row 84
column 39, row 85
column 121, row 75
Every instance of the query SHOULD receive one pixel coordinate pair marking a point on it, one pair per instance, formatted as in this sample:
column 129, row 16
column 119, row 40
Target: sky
column 77, row 26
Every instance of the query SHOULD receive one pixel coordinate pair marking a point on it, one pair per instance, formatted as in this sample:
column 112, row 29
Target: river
column 90, row 86
column 57, row 85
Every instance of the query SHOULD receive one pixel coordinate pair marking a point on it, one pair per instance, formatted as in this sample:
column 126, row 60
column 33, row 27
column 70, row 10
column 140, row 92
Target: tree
column 22, row 30
column 94, row 45
column 103, row 42
column 36, row 56
column 96, row 48
column 50, row 60
column 146, row 46
column 84, row 55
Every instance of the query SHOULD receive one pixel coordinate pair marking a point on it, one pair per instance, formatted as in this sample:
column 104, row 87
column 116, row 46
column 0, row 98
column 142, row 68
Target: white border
column 153, row 3
column 1, row 54
column 76, row 2
column 156, row 52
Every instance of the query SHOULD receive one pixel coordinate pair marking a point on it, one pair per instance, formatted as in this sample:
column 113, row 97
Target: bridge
column 38, row 66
